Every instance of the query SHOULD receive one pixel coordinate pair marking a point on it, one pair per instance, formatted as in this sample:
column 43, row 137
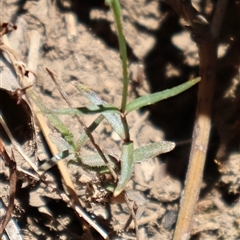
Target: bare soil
column 76, row 40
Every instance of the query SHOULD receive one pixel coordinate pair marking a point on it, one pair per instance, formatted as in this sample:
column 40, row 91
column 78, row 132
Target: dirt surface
column 76, row 41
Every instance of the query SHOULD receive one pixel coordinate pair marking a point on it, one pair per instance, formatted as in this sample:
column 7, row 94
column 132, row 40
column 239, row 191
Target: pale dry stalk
column 206, row 37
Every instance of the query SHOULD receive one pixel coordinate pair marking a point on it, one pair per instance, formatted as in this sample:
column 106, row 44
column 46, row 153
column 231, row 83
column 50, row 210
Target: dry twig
column 206, row 36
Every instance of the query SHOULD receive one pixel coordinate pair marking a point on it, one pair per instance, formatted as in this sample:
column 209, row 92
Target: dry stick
column 206, row 36
column 133, row 216
column 15, row 144
column 201, row 134
column 148, row 219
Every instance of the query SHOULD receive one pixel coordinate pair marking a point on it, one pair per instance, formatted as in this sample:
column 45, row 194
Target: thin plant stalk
column 116, row 8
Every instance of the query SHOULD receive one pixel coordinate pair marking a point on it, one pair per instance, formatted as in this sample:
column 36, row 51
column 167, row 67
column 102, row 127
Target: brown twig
column 131, row 207
column 206, row 36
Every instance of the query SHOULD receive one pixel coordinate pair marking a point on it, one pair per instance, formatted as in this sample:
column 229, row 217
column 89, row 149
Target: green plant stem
column 116, row 8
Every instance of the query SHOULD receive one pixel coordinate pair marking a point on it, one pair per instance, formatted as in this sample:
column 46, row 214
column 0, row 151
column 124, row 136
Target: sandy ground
column 76, row 41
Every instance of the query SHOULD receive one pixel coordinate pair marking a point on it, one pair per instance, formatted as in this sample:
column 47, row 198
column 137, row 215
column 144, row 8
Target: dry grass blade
column 16, row 145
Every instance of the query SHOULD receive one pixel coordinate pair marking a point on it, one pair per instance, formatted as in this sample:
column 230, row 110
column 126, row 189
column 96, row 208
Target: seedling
column 116, row 117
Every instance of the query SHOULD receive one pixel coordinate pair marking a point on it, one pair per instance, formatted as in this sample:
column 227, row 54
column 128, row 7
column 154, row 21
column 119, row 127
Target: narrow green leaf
column 84, row 110
column 126, row 167
column 54, row 160
column 55, row 121
column 109, row 187
column 152, row 150
column 158, row 96
column 149, row 151
column 84, row 137
column 114, row 119
column 109, row 2
column 95, row 160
